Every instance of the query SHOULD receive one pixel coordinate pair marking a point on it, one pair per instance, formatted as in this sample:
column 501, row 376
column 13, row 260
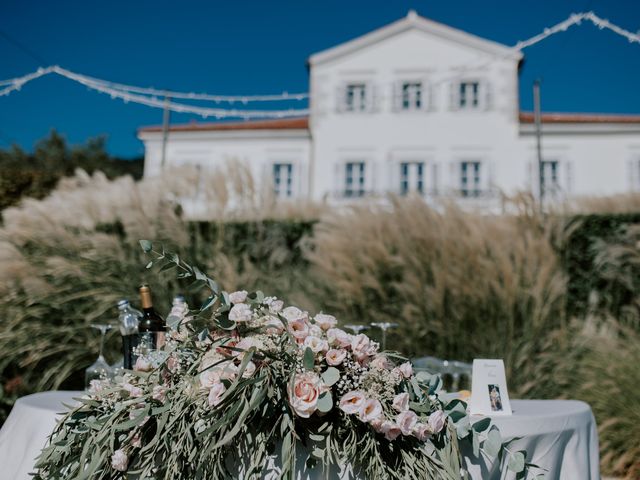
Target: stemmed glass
column 357, row 328
column 384, row 326
column 100, row 369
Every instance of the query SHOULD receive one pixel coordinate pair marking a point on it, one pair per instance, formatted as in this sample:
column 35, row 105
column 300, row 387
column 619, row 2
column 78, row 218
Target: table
column 25, row 432
column 558, row 435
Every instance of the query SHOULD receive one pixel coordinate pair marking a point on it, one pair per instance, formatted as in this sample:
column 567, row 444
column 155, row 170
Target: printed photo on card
column 489, row 394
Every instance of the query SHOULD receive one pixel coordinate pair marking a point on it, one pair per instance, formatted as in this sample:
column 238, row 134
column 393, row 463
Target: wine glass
column 100, row 369
column 356, row 329
column 384, row 326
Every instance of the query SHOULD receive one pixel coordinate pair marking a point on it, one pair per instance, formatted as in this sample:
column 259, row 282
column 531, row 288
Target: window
column 469, row 95
column 470, row 179
column 411, row 177
column 356, row 97
column 283, row 180
column 411, row 96
column 549, row 183
column 354, row 179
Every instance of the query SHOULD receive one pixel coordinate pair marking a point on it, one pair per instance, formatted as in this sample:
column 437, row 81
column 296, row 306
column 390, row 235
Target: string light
column 150, row 96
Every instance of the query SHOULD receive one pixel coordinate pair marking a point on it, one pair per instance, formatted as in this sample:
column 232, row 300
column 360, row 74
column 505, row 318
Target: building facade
column 415, row 107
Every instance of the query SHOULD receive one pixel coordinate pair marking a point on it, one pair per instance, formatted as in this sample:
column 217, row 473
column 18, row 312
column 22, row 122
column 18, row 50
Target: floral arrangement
column 247, row 387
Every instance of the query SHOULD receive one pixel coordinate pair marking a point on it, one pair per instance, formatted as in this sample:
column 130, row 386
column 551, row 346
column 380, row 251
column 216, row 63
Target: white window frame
column 354, row 173
column 413, row 177
column 363, row 103
column 474, row 189
column 547, row 171
column 483, row 95
column 286, row 175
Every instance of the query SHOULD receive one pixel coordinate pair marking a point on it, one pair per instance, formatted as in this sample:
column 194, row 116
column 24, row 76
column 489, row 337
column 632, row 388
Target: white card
column 489, row 395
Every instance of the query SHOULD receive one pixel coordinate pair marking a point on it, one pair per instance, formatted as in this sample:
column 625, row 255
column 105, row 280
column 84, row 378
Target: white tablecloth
column 558, row 435
column 25, row 432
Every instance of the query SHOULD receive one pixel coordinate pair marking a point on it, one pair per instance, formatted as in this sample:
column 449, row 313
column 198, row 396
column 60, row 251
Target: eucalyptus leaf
column 146, row 245
column 325, row 402
column 516, row 462
column 330, row 376
column 309, row 358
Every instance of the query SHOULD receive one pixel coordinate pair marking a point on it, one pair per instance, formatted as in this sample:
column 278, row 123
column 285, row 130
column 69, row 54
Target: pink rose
column 229, row 371
column 362, row 347
column 406, row 369
column 299, row 329
column 390, row 430
column 316, row 344
column 173, row 363
column 325, row 322
column 377, row 422
column 136, row 441
column 119, row 460
column 422, row 431
column 339, row 337
column 294, row 313
column 401, row 402
column 406, row 421
column 240, row 313
column 352, row 401
column 215, row 394
column 133, row 390
column 238, row 297
column 381, row 362
column 304, row 393
column 95, row 386
column 335, row 356
column 249, row 370
column 142, row 364
column 209, row 377
column 437, row 420
column 159, row 393
column 370, row 410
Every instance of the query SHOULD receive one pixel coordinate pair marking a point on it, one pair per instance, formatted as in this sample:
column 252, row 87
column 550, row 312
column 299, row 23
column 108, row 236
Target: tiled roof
column 279, row 124
column 527, row 117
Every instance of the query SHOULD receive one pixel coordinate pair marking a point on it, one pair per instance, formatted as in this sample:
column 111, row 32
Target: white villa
column 415, row 106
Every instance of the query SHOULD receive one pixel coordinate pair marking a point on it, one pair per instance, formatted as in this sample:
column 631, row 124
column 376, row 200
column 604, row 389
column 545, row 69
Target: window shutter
column 338, row 179
column 429, row 96
column 568, row 177
column 371, row 96
column 488, row 94
column 434, row 182
column 454, row 180
column 490, row 176
column 341, row 101
column 453, row 96
column 369, row 176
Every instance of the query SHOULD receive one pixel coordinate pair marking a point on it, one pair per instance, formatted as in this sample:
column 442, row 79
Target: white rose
column 335, row 356
column 401, row 402
column 339, row 337
column 406, row 421
column 390, row 430
column 422, row 431
column 209, row 377
column 238, row 297
column 315, row 330
column 304, row 393
column 215, row 394
column 406, row 369
column 437, row 420
column 273, row 325
column 351, row 402
column 316, row 344
column 276, row 306
column 142, row 364
column 325, row 322
column 119, row 460
column 240, row 313
column 370, row 410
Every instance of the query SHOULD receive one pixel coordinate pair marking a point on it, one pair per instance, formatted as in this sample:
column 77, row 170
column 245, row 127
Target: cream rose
column 401, row 402
column 240, row 313
column 335, row 356
column 437, row 420
column 370, row 410
column 406, row 421
column 119, row 460
column 352, row 401
column 238, row 297
column 325, row 322
column 304, row 393
column 215, row 394
column 316, row 344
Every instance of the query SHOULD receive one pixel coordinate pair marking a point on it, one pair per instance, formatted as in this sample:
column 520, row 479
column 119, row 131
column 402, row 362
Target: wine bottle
column 151, row 326
column 128, row 319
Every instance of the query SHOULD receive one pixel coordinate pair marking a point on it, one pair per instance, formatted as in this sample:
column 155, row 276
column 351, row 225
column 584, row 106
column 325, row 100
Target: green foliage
column 36, row 174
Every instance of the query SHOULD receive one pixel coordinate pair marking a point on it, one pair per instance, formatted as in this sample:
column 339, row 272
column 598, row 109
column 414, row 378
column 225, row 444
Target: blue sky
column 251, row 47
